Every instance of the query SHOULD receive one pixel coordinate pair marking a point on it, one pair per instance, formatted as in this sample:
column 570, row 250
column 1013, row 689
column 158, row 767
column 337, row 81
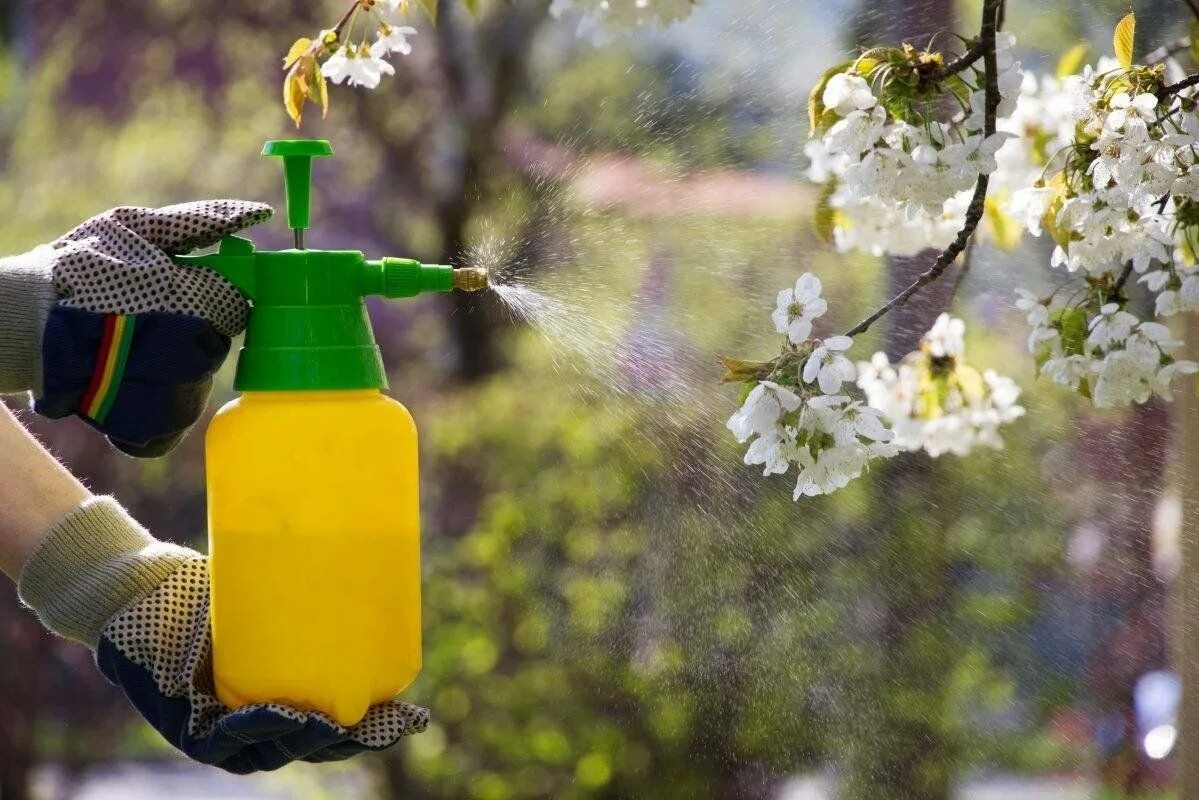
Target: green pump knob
column 297, row 155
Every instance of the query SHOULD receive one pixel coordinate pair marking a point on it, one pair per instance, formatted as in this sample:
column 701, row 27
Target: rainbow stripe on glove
column 110, row 367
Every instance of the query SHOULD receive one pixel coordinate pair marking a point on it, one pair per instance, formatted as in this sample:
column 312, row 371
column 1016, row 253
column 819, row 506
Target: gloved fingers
column 155, row 448
column 257, row 724
column 202, row 292
column 105, row 266
column 336, row 752
column 182, row 227
column 317, row 735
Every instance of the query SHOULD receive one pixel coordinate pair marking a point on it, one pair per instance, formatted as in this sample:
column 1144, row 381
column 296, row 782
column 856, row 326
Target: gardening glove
column 102, row 324
column 142, row 605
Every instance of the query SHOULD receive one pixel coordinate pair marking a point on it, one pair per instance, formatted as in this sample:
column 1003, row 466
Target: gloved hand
column 99, row 578
column 103, row 325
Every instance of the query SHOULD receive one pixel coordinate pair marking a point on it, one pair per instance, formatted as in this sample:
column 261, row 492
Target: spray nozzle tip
column 470, row 279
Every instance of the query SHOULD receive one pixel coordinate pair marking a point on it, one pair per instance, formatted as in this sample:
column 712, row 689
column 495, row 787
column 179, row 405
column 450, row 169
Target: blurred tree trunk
column 900, row 747
column 449, row 163
column 482, row 87
column 1128, row 461
column 1187, row 633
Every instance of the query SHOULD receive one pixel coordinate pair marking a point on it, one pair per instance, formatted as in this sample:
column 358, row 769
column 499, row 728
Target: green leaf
column 1193, row 35
column 1071, row 61
column 1123, row 37
column 816, row 96
column 1072, row 323
column 824, row 217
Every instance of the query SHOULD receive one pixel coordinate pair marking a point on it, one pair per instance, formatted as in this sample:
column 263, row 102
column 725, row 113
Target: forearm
column 26, row 295
column 35, row 492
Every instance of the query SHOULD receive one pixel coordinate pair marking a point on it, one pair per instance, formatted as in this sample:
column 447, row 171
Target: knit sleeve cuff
column 92, row 564
column 26, row 297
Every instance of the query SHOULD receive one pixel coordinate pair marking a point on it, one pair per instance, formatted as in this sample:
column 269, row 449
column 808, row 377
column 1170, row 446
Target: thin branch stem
column 963, row 270
column 974, row 212
column 1175, row 88
column 346, row 18
column 1124, row 275
column 973, row 53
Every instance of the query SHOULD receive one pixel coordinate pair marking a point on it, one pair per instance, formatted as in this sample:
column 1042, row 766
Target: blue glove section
column 252, row 739
column 165, row 384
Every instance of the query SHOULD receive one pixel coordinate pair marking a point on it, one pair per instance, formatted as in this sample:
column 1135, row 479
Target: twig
column 1175, row 88
column 974, row 213
column 963, row 270
column 973, row 53
column 1114, row 294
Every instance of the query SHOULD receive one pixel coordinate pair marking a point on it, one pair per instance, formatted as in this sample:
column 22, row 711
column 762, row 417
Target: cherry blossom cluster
column 1118, row 191
column 802, row 412
column 897, row 168
column 801, row 417
column 934, row 401
column 600, row 19
column 364, row 64
column 1112, row 357
column 355, row 51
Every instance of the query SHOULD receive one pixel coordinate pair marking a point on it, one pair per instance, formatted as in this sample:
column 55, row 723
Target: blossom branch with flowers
column 345, row 53
column 883, row 146
column 1106, row 162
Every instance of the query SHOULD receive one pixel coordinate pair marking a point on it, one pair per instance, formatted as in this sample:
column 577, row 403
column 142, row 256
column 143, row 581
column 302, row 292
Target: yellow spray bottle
column 313, row 508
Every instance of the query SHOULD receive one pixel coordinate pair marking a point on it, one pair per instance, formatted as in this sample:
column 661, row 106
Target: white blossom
column 828, row 365
column 796, row 308
column 968, row 414
column 764, row 406
column 845, row 93
column 393, row 39
column 356, row 67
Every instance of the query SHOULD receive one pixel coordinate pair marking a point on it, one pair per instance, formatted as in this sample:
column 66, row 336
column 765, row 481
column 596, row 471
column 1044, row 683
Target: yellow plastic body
column 314, row 538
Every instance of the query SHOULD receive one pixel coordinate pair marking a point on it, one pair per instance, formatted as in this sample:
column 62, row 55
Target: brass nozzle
column 470, row 279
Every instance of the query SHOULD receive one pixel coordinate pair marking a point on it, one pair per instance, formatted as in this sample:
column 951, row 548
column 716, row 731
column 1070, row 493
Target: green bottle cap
column 308, row 327
column 297, row 155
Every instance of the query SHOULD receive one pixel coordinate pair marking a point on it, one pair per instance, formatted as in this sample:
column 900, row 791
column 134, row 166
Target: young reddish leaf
column 737, row 371
column 1122, row 39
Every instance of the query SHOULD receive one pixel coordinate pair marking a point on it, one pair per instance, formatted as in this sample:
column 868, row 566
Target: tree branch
column 1175, row 88
column 974, row 213
column 973, row 53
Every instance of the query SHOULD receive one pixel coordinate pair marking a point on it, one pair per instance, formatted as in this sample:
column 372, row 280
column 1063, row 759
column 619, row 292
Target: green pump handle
column 308, row 327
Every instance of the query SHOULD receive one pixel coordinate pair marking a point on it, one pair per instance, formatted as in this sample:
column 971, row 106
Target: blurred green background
column 614, row 606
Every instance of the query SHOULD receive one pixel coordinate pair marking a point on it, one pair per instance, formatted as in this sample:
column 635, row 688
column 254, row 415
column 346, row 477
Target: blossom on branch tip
column 845, row 93
column 357, row 67
column 796, row 308
column 393, row 39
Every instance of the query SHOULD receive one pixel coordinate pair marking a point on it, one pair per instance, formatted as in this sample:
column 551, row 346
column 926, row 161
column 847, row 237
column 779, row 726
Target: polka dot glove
column 132, row 339
column 101, row 579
